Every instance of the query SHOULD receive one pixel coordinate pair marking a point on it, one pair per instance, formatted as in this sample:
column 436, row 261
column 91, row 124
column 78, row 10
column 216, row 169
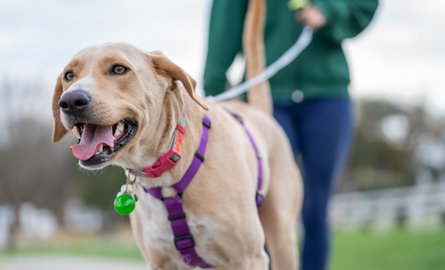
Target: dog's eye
column 119, row 69
column 69, row 76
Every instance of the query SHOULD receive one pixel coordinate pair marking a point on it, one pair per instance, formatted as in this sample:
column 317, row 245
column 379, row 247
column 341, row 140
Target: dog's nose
column 74, row 102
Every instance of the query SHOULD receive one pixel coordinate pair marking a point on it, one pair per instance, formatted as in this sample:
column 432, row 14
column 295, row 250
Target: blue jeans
column 320, row 132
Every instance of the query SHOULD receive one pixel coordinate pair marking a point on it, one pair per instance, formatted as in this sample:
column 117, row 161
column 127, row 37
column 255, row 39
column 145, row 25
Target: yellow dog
column 124, row 104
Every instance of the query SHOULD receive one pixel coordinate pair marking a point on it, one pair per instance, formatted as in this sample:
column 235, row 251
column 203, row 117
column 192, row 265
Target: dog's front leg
column 260, row 262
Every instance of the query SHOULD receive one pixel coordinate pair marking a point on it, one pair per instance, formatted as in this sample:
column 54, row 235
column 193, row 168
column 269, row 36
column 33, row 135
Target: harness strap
column 197, row 161
column 259, row 197
column 183, row 239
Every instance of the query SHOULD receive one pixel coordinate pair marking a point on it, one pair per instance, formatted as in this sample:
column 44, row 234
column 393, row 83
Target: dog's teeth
column 116, row 133
column 114, row 138
column 120, row 126
column 101, row 148
column 97, row 153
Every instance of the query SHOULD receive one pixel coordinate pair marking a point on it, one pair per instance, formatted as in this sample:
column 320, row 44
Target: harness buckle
column 184, row 242
column 259, row 198
column 207, row 124
column 176, row 217
column 165, row 163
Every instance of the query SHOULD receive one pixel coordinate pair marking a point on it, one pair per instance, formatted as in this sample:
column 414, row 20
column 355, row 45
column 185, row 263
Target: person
column 310, row 96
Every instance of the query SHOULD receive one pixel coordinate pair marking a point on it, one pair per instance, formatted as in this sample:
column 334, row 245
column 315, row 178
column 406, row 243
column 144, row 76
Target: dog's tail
column 253, row 45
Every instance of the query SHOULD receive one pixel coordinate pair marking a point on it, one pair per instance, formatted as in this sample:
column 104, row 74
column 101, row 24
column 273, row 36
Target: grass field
column 96, row 247
column 402, row 249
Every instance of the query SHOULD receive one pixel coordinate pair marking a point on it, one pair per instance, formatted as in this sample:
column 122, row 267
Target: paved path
column 66, row 263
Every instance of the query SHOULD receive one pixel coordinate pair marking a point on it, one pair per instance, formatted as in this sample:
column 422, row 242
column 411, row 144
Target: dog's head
column 111, row 94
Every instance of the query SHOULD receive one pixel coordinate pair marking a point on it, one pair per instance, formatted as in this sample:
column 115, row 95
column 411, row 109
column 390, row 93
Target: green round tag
column 124, row 204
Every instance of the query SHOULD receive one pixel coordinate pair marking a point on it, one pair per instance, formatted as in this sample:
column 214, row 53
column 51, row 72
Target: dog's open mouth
column 98, row 144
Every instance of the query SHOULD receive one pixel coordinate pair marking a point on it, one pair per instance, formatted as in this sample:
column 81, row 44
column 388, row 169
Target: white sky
column 401, row 56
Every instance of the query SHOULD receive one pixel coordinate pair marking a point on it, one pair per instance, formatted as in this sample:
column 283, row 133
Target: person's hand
column 311, row 16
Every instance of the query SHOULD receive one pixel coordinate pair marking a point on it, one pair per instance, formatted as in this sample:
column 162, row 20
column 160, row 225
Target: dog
column 124, row 105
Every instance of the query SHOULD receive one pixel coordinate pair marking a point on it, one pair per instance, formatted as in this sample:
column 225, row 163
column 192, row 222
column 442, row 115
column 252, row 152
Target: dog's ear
column 59, row 129
column 166, row 67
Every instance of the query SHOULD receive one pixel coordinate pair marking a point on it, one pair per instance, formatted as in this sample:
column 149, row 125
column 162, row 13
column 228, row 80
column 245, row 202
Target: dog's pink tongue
column 92, row 136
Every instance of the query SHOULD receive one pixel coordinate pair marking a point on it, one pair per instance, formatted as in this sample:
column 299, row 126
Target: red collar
column 172, row 157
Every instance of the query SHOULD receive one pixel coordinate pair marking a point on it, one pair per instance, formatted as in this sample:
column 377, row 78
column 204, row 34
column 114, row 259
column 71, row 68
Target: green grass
column 372, row 250
column 95, row 247
column 402, row 249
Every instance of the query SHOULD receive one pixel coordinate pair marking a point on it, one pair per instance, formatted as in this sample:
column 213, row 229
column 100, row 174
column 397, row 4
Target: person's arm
column 345, row 18
column 225, row 41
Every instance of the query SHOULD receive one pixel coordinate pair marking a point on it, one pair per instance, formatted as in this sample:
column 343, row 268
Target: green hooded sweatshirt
column 320, row 71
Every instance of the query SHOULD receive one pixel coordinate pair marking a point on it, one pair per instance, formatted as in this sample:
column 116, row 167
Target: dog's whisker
column 68, row 143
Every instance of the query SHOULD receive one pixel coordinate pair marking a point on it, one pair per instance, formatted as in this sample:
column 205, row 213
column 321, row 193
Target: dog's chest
column 157, row 232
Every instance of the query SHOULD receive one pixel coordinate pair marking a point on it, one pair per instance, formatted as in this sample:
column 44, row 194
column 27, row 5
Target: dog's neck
column 157, row 141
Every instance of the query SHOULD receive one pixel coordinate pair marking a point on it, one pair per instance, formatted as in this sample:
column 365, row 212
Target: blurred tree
column 30, row 165
column 99, row 189
column 388, row 138
column 33, row 169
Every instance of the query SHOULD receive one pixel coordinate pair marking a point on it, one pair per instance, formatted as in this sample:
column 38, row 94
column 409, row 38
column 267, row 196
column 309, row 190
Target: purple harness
column 183, row 239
